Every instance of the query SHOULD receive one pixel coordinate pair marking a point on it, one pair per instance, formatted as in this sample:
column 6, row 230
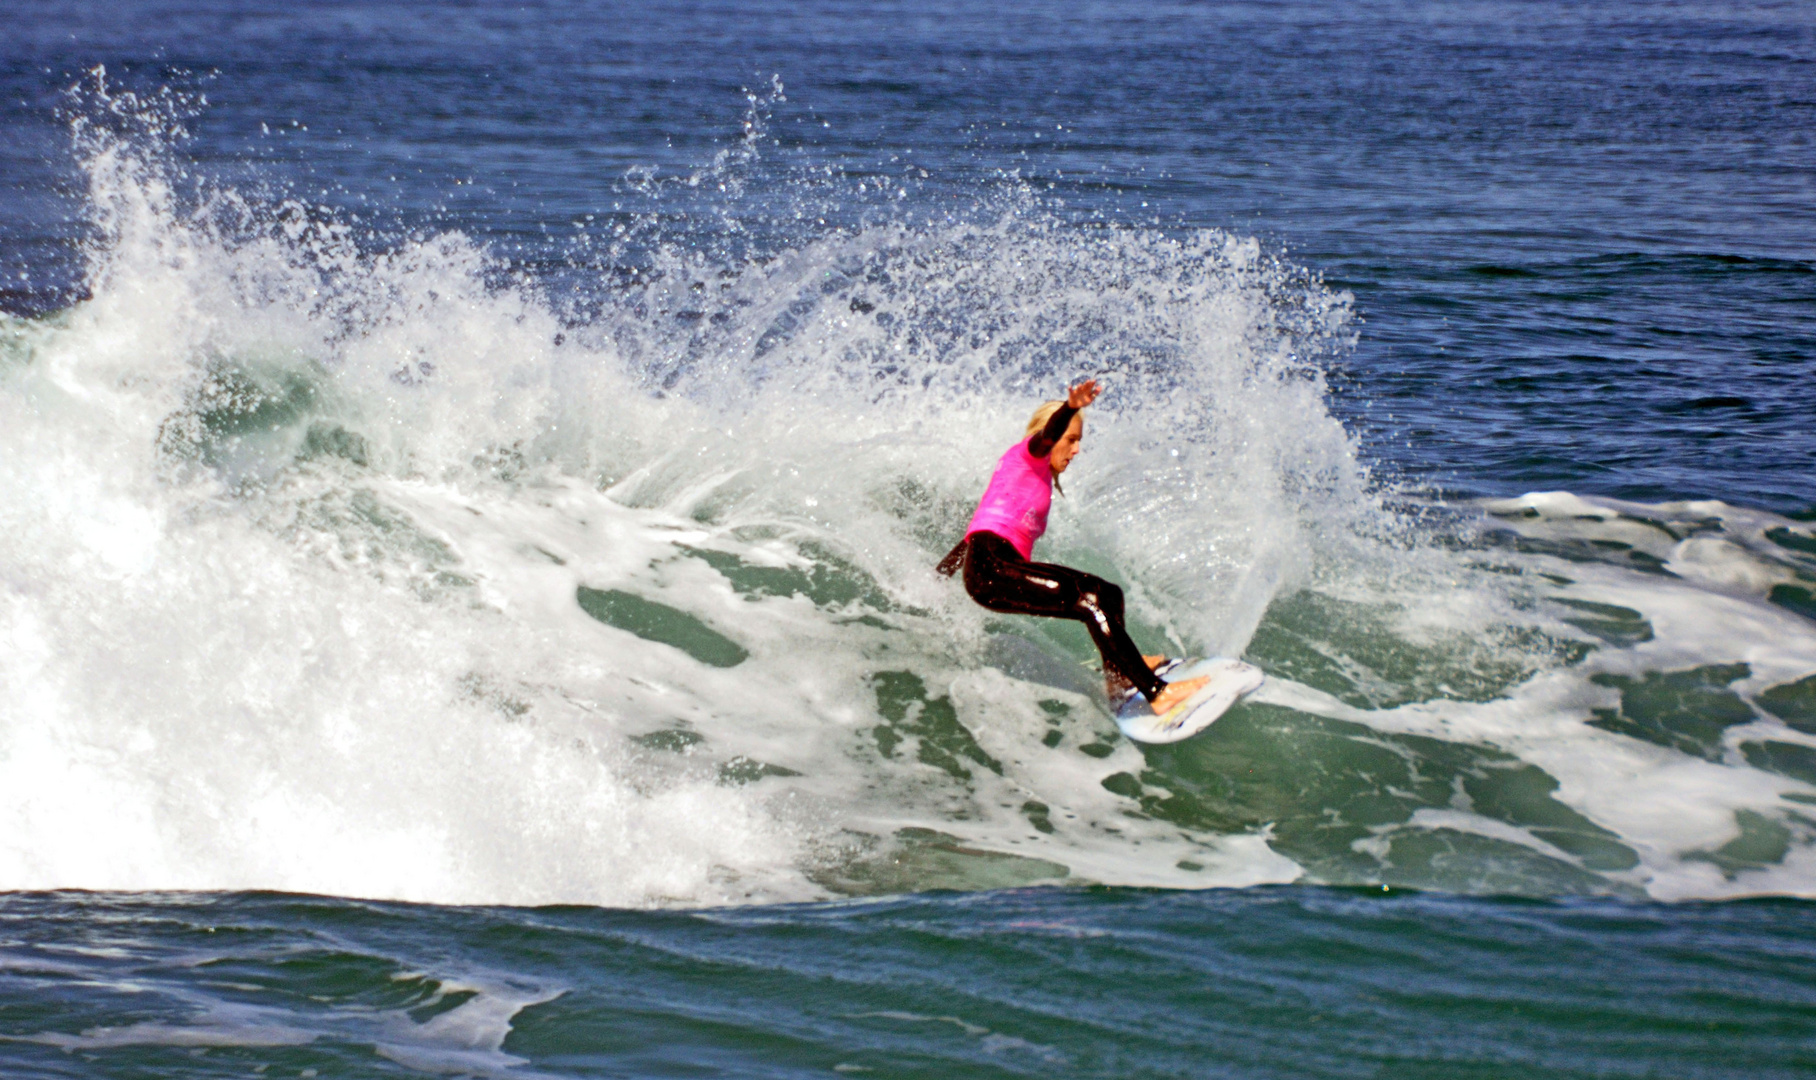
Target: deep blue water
column 1581, row 243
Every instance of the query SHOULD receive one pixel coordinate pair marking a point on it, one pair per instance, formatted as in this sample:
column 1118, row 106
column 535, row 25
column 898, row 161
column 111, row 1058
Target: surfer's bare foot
column 1178, row 692
column 1154, row 661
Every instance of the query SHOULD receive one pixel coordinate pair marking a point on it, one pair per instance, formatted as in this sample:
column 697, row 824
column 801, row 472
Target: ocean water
column 472, row 476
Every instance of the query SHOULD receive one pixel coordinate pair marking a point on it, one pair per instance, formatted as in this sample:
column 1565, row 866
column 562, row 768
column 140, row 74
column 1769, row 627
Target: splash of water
column 378, row 570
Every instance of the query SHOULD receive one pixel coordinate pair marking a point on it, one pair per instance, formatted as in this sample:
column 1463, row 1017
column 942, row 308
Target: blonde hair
column 1039, row 420
column 1041, row 416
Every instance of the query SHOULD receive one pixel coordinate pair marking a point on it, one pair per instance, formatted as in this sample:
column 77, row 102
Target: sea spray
column 373, row 566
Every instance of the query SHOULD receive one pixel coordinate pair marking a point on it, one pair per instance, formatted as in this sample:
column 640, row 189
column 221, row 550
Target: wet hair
column 1041, row 415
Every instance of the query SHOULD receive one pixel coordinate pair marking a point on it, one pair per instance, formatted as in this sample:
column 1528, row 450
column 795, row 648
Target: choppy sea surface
column 472, row 475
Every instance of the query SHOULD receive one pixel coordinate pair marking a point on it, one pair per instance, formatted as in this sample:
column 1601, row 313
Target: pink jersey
column 1015, row 504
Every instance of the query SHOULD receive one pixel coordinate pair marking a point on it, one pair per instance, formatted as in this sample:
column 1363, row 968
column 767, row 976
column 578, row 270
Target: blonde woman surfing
column 997, row 551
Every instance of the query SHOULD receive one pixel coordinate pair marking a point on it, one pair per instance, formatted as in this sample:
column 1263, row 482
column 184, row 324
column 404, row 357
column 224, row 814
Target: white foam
column 368, row 674
column 1671, row 808
column 466, row 1040
column 211, row 1032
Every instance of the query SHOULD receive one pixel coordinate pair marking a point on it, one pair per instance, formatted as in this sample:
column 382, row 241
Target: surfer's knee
column 1109, row 595
column 1103, row 599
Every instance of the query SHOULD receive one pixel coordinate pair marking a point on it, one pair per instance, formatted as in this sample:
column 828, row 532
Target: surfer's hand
column 1082, row 394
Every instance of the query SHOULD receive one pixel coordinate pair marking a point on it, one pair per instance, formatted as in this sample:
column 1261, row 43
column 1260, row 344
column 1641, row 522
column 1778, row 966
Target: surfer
column 997, row 551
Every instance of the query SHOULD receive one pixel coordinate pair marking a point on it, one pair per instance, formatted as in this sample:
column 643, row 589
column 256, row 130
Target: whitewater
column 379, row 566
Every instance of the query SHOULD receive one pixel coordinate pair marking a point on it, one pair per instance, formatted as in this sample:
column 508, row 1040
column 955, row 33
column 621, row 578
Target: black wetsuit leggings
column 999, row 578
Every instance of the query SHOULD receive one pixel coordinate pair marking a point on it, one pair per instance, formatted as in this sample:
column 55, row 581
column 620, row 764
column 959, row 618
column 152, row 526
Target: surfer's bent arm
column 1048, row 437
column 1076, row 398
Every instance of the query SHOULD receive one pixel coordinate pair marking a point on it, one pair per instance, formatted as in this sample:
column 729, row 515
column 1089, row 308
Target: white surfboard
column 1230, row 681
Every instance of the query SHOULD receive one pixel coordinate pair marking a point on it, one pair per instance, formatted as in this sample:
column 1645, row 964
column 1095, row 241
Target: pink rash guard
column 1015, row 504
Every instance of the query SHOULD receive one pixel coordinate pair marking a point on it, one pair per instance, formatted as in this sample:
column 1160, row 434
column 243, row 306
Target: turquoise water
column 459, row 461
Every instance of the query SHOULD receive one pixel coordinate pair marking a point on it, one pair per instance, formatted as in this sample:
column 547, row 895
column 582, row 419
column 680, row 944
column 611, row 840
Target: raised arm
column 1076, row 398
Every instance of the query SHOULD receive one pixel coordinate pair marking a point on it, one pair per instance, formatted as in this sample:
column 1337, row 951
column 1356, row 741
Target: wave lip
column 378, row 572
